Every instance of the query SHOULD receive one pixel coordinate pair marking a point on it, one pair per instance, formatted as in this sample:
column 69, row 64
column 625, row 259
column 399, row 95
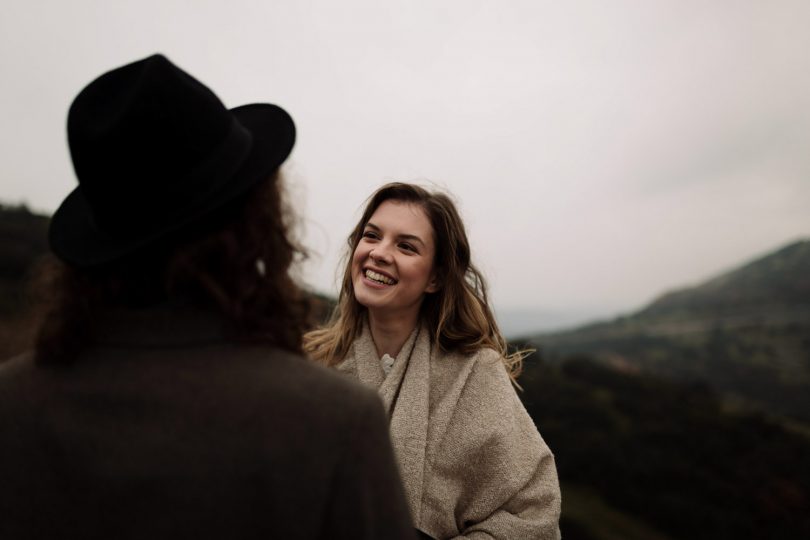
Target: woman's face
column 392, row 266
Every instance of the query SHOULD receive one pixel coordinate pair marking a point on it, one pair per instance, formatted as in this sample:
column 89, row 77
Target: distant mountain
column 688, row 419
column 779, row 280
column 746, row 333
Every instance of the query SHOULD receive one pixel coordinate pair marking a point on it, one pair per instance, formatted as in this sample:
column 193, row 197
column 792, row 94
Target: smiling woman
column 413, row 322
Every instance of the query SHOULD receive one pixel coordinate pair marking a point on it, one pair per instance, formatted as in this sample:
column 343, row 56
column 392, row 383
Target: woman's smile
column 377, row 277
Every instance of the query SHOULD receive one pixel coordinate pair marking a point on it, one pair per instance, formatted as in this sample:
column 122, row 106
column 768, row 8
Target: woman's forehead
column 400, row 217
column 393, row 212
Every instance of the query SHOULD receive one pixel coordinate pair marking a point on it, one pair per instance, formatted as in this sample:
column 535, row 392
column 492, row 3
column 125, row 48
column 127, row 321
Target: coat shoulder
column 306, row 385
column 16, row 364
column 14, row 379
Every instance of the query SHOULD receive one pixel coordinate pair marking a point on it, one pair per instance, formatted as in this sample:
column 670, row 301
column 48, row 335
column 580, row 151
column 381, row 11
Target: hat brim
column 75, row 238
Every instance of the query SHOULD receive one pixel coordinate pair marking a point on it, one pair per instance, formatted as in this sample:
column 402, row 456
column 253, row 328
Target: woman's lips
column 379, row 277
column 376, row 280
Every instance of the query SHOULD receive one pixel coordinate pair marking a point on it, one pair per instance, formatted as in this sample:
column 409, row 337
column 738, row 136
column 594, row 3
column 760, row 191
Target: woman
column 412, row 321
column 165, row 397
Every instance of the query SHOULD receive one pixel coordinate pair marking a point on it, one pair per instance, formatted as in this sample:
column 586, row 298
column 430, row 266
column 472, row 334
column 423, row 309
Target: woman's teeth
column 379, row 278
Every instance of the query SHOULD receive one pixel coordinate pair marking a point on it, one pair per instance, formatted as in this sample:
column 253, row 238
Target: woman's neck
column 390, row 332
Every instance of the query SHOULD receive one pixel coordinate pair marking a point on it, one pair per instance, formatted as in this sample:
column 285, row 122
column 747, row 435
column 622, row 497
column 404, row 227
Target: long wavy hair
column 235, row 262
column 458, row 314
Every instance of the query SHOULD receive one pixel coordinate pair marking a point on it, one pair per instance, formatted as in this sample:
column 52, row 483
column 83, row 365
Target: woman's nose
column 380, row 255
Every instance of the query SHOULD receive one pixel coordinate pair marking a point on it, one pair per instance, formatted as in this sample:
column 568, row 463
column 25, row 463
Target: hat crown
column 139, row 132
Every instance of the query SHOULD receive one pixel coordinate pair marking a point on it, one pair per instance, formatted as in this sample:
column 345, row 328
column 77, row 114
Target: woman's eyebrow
column 411, row 237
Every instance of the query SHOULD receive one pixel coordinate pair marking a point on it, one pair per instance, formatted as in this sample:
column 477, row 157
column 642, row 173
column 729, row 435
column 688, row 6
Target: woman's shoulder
column 487, row 359
column 470, row 373
column 483, row 361
column 474, row 403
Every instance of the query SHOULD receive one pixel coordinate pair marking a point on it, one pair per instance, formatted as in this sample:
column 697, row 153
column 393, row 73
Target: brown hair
column 457, row 315
column 237, row 262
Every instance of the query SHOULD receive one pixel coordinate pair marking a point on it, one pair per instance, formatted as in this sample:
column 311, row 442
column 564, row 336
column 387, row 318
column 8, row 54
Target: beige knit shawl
column 472, row 462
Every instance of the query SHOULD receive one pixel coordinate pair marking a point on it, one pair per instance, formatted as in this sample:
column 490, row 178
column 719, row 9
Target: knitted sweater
column 472, row 461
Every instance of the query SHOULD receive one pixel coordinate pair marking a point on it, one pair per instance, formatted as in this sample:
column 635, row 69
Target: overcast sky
column 600, row 152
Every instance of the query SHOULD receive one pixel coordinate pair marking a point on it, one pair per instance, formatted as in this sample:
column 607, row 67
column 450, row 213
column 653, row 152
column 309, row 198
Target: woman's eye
column 370, row 234
column 407, row 246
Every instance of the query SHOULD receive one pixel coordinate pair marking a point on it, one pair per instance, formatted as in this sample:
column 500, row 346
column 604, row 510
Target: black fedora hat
column 154, row 150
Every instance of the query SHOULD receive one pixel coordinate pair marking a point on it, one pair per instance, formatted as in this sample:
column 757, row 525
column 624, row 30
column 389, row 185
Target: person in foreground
column 412, row 321
column 167, row 396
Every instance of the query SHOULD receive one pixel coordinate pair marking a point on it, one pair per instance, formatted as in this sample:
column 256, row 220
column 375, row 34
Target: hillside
column 23, row 239
column 642, row 458
column 745, row 333
column 779, row 280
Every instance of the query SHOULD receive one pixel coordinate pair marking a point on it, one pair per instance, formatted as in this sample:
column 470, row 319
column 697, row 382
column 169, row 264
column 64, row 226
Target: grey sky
column 601, row 152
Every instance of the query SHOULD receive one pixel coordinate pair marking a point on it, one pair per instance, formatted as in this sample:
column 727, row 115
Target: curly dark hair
column 236, row 262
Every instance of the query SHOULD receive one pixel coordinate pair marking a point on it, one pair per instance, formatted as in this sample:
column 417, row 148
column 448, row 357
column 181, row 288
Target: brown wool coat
column 473, row 463
column 166, row 429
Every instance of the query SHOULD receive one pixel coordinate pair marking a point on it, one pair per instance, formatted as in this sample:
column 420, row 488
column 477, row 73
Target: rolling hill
column 23, row 239
column 746, row 334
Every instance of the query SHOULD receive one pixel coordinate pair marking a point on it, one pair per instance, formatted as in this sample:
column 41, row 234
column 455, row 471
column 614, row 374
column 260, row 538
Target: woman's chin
column 370, row 302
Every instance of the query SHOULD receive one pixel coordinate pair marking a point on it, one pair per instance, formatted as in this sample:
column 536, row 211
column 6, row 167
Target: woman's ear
column 433, row 284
